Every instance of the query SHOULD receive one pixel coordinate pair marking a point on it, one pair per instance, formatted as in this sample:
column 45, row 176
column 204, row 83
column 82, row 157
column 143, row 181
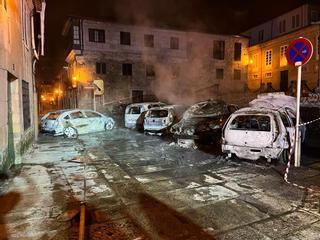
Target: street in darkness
column 145, row 187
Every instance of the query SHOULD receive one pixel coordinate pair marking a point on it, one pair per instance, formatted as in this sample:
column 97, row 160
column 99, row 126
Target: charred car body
column 159, row 120
column 73, row 122
column 262, row 130
column 134, row 113
column 203, row 121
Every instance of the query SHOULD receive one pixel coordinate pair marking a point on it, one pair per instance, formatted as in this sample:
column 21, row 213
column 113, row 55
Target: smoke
column 185, row 75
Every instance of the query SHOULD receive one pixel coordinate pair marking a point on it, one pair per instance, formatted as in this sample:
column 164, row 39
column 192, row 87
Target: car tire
column 284, row 157
column 108, row 126
column 70, row 132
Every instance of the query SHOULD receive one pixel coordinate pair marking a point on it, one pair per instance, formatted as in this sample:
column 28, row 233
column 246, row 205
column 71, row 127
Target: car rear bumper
column 252, row 153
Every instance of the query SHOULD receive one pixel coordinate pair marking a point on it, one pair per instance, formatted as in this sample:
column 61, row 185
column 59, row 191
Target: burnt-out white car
column 73, row 122
column 160, row 119
column 252, row 133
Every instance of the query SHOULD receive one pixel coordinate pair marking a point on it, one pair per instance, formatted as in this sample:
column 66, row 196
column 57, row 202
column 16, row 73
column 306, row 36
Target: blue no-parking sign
column 300, row 50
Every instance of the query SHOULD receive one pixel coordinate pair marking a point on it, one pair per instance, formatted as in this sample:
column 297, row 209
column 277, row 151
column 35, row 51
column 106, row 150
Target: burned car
column 134, row 113
column 73, row 122
column 203, row 121
column 252, row 133
column 262, row 130
column 159, row 120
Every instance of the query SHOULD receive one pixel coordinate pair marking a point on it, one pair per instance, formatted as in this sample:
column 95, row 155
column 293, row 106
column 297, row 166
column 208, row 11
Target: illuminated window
column 237, row 74
column 283, row 59
column 268, row 75
column 255, row 60
column 268, row 60
column 218, row 49
column 148, row 40
column 219, row 73
column 174, row 43
column 96, row 35
column 125, row 38
column 237, row 51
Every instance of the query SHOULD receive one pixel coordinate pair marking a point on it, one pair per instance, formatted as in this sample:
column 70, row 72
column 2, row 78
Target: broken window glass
column 251, row 123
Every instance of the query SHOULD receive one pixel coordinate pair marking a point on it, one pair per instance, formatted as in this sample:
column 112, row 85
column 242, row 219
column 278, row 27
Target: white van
column 133, row 118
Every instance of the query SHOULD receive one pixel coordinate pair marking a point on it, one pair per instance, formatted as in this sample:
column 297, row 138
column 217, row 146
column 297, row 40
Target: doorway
column 284, row 81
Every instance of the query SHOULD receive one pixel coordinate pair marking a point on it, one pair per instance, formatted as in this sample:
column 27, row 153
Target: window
column 76, row 115
column 26, row 105
column 134, row 110
column 150, row 71
column 174, row 43
column 127, row 69
column 268, row 59
column 219, row 73
column 5, row 4
column 100, row 68
column 125, row 38
column 282, row 26
column 76, row 35
column 148, row 40
column 96, row 35
column 295, row 21
column 268, row 75
column 283, row 58
column 90, row 114
column 237, row 51
column 315, row 16
column 25, row 23
column 255, row 60
column 237, row 74
column 260, row 35
column 218, row 49
column 251, row 123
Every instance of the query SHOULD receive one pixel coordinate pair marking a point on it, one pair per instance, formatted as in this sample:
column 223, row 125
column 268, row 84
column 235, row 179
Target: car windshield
column 54, row 115
column 134, row 110
column 158, row 113
column 205, row 109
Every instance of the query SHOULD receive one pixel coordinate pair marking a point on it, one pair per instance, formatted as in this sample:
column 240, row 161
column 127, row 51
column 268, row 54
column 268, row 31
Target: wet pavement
column 144, row 187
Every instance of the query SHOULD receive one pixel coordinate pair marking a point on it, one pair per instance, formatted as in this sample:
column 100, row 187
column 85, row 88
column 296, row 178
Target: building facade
column 268, row 69
column 18, row 99
column 138, row 63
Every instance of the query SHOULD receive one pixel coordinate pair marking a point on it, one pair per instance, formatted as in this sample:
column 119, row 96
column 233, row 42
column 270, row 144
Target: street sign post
column 298, row 53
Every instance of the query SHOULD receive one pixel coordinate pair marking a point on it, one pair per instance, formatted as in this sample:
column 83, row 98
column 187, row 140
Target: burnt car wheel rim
column 109, row 126
column 70, row 132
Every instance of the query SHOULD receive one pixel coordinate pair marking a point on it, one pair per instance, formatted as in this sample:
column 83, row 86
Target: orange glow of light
column 251, row 61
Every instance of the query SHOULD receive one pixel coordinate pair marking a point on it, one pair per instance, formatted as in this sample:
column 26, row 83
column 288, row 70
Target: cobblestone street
column 145, row 187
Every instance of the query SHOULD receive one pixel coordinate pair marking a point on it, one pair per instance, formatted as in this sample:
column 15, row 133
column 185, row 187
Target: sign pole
column 94, row 101
column 297, row 133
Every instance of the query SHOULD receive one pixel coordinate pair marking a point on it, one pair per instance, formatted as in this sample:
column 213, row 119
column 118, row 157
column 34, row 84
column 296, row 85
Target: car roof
column 255, row 110
column 144, row 104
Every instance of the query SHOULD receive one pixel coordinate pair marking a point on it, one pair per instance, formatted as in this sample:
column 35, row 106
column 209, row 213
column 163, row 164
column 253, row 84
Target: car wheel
column 70, row 132
column 109, row 126
column 284, row 157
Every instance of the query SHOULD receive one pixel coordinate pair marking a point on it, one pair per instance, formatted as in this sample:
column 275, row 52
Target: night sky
column 225, row 17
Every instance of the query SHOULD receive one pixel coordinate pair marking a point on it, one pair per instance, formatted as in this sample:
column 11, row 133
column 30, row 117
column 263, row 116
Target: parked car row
column 263, row 129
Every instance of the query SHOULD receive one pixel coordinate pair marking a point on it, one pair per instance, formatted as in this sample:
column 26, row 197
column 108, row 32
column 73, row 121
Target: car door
column 79, row 121
column 250, row 130
column 96, row 121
